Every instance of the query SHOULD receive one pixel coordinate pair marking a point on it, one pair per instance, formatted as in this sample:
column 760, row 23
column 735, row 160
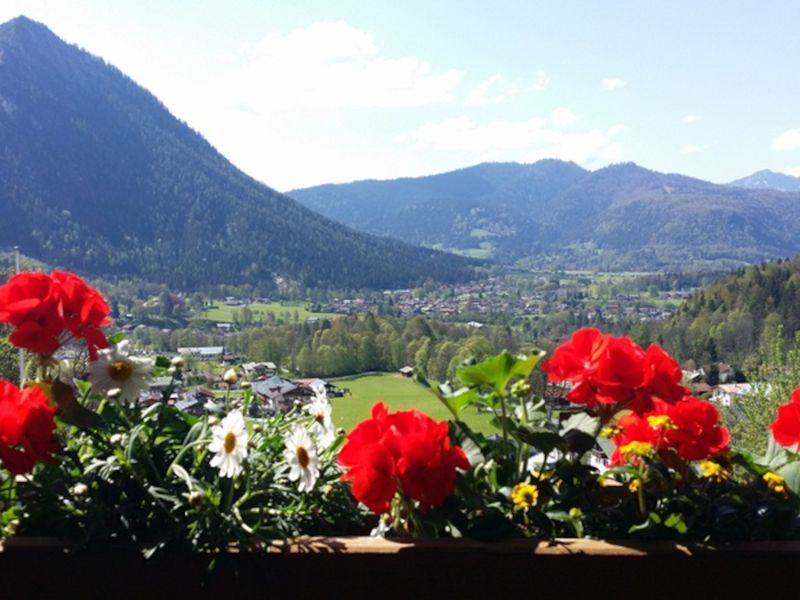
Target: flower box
column 356, row 567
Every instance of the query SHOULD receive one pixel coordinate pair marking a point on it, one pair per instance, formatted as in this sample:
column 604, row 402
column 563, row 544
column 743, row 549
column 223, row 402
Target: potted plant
column 126, row 488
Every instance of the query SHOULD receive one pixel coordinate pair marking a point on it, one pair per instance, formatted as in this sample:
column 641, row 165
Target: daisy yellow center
column 229, row 443
column 120, row 370
column 302, row 456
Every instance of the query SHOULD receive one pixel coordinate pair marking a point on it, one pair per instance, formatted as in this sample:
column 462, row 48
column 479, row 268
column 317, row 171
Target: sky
column 307, row 92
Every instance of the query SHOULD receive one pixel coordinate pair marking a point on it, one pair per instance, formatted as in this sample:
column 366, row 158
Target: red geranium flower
column 26, row 427
column 786, row 427
column 84, row 309
column 406, row 451
column 696, row 432
column 662, row 381
column 47, row 310
column 634, row 437
column 609, row 370
column 30, row 302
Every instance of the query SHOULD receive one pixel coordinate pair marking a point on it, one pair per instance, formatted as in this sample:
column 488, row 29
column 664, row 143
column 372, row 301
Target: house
column 259, row 370
column 406, row 371
column 204, row 353
column 274, row 392
column 725, row 393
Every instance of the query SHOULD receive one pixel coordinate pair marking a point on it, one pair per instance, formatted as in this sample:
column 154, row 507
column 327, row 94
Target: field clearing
column 259, row 311
column 398, row 393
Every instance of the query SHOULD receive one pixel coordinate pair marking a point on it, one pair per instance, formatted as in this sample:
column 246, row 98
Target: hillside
column 769, row 180
column 557, row 214
column 730, row 318
column 97, row 176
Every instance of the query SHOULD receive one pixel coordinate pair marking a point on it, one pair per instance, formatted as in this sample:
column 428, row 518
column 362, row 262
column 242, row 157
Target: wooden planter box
column 374, row 568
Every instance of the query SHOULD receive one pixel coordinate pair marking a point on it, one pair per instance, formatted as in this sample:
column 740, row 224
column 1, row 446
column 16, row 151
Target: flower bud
column 117, row 439
column 246, row 385
column 113, row 393
column 213, row 421
column 230, row 377
column 11, row 527
column 79, row 489
column 177, row 362
column 196, row 498
column 520, row 389
column 258, row 428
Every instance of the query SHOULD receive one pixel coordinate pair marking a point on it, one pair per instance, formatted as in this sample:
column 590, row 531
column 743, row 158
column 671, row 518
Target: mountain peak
column 22, row 28
column 769, row 180
column 97, row 176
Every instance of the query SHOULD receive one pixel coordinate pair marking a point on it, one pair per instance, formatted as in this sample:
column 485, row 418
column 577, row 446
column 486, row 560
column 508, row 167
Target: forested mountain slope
column 97, row 176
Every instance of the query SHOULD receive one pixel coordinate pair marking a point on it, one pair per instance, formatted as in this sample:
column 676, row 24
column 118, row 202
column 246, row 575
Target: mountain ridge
column 766, row 179
column 556, row 214
column 97, row 175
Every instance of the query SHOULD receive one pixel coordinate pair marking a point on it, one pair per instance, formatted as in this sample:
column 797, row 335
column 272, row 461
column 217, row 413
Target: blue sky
column 307, row 92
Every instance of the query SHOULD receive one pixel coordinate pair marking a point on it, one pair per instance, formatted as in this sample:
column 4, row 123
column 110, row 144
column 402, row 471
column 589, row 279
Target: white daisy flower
column 114, row 370
column 322, row 427
column 229, row 444
column 302, row 457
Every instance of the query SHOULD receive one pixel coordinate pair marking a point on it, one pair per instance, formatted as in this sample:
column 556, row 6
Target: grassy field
column 225, row 314
column 398, row 393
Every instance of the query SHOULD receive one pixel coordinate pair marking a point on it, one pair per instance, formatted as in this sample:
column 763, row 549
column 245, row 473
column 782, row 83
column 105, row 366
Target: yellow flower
column 636, row 448
column 713, row 471
column 610, row 431
column 541, row 475
column 660, row 422
column 634, row 485
column 775, row 482
column 524, row 495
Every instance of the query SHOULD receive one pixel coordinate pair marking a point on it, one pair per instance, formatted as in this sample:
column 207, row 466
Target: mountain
column 97, row 176
column 554, row 213
column 730, row 319
column 769, row 180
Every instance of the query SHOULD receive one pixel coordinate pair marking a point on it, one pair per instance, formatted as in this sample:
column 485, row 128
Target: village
column 509, row 300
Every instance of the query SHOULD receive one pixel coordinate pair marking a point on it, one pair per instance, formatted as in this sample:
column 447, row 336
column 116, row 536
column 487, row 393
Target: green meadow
column 260, row 311
column 398, row 393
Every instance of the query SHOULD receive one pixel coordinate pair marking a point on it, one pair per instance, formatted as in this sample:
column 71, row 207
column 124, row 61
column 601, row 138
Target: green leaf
column 582, row 422
column 675, row 521
column 458, row 400
column 543, row 440
column 791, row 473
column 116, row 338
column 776, row 455
column 162, row 362
column 652, row 520
column 579, row 441
column 496, row 371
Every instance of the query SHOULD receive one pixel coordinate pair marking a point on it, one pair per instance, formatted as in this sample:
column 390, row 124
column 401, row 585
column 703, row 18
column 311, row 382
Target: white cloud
column 329, row 66
column 492, row 90
column 694, row 148
column 788, row 140
column 794, row 172
column 534, row 139
column 562, row 117
column 542, row 81
column 689, row 119
column 612, row 83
